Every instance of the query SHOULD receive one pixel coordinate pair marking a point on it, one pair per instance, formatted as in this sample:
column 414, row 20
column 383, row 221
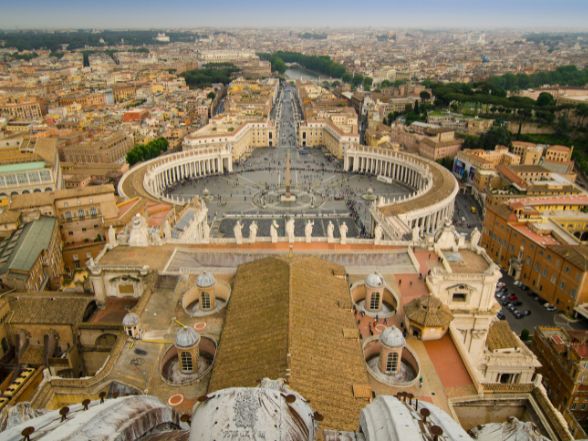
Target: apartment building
column 109, row 148
column 82, row 213
column 564, row 366
column 534, row 240
column 30, row 258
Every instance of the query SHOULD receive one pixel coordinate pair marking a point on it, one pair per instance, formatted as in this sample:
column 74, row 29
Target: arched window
column 392, row 362
column 375, row 300
column 186, row 361
column 81, row 213
column 205, row 300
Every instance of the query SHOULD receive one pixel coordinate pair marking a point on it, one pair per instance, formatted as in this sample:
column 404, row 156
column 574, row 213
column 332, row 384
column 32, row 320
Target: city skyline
column 525, row 14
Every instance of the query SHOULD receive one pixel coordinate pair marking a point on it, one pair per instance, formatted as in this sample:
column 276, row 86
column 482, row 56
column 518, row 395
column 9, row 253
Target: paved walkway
column 448, row 363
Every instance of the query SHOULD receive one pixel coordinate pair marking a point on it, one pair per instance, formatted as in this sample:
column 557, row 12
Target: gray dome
column 392, row 337
column 130, row 320
column 374, row 280
column 205, row 280
column 187, row 337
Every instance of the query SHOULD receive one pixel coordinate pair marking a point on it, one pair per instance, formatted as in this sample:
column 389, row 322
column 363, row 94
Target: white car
column 550, row 307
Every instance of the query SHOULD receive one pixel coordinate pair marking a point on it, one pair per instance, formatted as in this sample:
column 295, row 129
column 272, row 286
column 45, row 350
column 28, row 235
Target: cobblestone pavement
column 322, row 188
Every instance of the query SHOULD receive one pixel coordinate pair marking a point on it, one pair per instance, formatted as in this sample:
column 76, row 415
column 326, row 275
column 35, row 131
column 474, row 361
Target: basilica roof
column 286, row 319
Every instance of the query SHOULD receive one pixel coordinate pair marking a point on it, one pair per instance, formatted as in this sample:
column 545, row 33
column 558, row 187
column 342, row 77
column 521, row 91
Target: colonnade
column 190, row 164
column 427, row 208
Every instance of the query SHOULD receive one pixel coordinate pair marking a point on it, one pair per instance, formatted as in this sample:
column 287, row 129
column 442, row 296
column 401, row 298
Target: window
column 93, row 212
column 186, row 361
column 81, row 214
column 205, row 300
column 392, row 362
column 67, row 215
column 459, row 297
column 375, row 300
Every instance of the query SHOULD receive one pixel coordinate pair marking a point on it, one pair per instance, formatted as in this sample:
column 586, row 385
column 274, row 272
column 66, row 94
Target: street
column 539, row 315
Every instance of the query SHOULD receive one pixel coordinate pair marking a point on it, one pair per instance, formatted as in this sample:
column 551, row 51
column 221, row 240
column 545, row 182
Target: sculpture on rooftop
column 290, row 230
column 475, row 238
column 205, row 231
column 343, row 228
column 238, row 232
column 330, row 232
column 308, row 230
column 274, row 231
column 416, row 234
column 378, row 234
column 252, row 232
column 112, row 237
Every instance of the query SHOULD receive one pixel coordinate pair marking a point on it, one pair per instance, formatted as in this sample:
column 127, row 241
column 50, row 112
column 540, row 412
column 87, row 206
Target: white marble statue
column 274, row 231
column 308, row 231
column 205, row 231
column 167, row 232
column 238, row 232
column 112, row 237
column 378, row 234
column 475, row 238
column 343, row 229
column 330, row 232
column 290, row 230
column 138, row 232
column 252, row 232
column 90, row 263
column 416, row 234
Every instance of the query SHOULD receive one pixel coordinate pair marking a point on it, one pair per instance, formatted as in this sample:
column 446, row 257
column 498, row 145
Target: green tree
column 497, row 135
column 211, row 95
column 425, row 96
column 525, row 334
column 545, row 99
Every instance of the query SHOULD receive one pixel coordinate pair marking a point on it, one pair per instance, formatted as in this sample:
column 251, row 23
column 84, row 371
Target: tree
column 367, row 83
column 545, row 99
column 562, row 128
column 525, row 334
column 425, row 96
column 211, row 95
column 497, row 135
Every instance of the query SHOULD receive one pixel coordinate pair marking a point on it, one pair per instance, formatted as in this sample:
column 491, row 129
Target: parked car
column 550, row 307
column 503, row 302
column 513, row 297
column 500, row 285
column 512, row 308
column 516, row 303
column 501, row 316
column 526, row 312
column 517, row 283
column 518, row 314
column 525, row 288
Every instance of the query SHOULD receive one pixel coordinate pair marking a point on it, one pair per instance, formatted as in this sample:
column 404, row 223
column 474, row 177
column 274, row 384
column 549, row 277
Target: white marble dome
column 187, row 337
column 130, row 320
column 392, row 337
column 374, row 280
column 205, row 280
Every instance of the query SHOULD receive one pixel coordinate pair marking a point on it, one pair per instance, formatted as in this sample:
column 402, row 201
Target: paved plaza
column 323, row 190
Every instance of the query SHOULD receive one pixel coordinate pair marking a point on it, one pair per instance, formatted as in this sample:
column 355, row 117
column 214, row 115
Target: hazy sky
column 562, row 14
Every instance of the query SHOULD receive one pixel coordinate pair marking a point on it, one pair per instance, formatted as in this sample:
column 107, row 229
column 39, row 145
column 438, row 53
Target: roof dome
column 392, row 337
column 374, row 280
column 130, row 320
column 204, row 280
column 187, row 337
column 270, row 411
column 387, row 418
